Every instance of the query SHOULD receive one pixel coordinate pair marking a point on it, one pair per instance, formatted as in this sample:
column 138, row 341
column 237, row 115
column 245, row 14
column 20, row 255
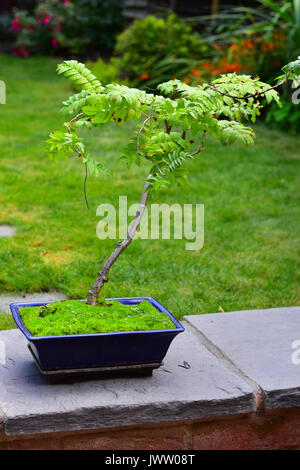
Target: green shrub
column 286, row 118
column 107, row 72
column 98, row 22
column 153, row 49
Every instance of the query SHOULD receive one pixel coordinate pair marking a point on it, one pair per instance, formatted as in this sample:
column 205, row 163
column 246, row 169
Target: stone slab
column 259, row 343
column 7, row 299
column 7, row 231
column 206, row 389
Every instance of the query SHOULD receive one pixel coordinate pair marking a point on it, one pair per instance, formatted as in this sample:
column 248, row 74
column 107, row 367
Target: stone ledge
column 7, row 299
column 258, row 343
column 207, row 389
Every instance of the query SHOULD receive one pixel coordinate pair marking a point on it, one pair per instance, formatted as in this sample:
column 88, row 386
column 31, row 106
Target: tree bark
column 102, row 277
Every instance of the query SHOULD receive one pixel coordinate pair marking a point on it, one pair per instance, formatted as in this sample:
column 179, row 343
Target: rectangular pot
column 102, row 349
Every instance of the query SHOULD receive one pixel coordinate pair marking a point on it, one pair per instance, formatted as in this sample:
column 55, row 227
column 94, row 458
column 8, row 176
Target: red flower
column 54, row 42
column 16, row 24
column 144, row 76
column 186, row 79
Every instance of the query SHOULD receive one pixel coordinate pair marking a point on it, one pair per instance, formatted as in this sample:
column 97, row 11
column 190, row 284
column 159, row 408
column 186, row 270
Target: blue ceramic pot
column 102, row 349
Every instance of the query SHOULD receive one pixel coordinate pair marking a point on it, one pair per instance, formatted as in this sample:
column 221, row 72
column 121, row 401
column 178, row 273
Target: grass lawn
column 251, row 254
column 6, row 322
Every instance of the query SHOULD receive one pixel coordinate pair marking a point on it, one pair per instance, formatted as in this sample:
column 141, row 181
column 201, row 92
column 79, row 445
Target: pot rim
column 14, row 307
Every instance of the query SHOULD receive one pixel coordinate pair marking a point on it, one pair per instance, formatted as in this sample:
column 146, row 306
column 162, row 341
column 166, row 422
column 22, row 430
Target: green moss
column 73, row 317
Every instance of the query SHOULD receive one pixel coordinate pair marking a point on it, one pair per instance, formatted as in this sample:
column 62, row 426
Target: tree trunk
column 102, row 277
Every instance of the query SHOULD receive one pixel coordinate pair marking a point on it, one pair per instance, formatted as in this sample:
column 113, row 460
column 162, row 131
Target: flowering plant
column 245, row 55
column 66, row 25
column 44, row 31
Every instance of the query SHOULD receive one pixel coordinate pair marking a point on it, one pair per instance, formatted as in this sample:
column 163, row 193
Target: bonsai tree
column 172, row 126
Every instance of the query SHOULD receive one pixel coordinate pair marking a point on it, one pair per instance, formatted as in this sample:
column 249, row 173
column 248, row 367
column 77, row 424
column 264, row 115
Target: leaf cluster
column 171, row 126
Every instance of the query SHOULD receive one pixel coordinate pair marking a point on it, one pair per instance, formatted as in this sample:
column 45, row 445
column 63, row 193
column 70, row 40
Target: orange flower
column 248, row 44
column 144, row 76
column 206, row 66
column 186, row 79
column 197, row 73
column 231, row 68
column 227, row 68
column 174, row 77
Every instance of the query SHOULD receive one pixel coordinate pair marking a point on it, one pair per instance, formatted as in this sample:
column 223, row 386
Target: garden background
column 250, row 257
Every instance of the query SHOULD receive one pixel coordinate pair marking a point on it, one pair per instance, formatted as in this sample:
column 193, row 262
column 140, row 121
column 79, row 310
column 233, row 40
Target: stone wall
column 230, row 381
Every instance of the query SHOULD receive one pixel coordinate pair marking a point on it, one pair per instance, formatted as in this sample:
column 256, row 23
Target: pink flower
column 54, row 42
column 47, row 19
column 67, row 2
column 16, row 24
column 19, row 51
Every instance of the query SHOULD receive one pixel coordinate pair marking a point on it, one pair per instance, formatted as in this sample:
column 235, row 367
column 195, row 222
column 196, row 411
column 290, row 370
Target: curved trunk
column 102, row 277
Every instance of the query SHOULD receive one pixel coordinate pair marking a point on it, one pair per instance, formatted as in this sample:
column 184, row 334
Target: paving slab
column 206, row 389
column 7, row 231
column 260, row 344
column 7, row 299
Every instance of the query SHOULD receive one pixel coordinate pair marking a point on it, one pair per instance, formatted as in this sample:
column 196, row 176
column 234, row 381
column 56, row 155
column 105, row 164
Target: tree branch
column 201, row 145
column 138, row 145
column 168, row 127
column 255, row 95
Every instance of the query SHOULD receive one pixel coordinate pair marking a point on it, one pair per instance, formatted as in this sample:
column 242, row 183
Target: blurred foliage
column 286, row 118
column 97, row 23
column 107, row 72
column 153, row 50
column 254, row 40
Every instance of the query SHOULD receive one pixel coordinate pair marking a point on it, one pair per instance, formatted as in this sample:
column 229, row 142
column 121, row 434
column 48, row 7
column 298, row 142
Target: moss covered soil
column 74, row 317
